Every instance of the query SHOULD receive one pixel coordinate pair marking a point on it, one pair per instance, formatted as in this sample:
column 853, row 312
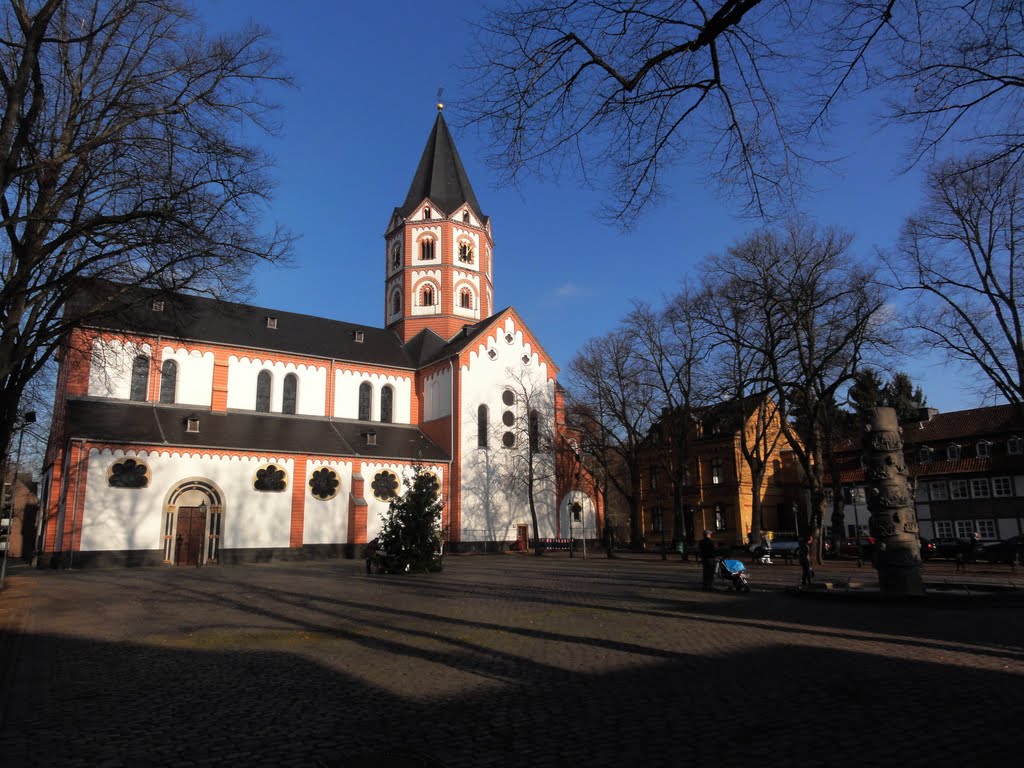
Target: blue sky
column 353, row 132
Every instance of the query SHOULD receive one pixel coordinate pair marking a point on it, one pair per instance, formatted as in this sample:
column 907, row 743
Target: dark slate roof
column 204, row 319
column 440, row 175
column 145, row 423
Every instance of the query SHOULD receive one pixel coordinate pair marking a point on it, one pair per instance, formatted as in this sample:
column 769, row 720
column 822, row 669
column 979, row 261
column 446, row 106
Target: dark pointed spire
column 440, row 175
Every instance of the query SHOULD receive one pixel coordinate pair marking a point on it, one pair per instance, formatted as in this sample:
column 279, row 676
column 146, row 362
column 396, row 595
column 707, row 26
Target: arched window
column 427, row 249
column 387, row 404
column 481, row 426
column 465, row 217
column 365, row 394
column 534, row 432
column 427, row 299
column 140, row 378
column 396, row 302
column 263, row 392
column 466, row 298
column 466, row 252
column 290, row 393
column 427, row 214
column 168, row 381
column 396, row 255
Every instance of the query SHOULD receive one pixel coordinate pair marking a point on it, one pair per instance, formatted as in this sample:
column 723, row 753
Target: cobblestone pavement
column 504, row 661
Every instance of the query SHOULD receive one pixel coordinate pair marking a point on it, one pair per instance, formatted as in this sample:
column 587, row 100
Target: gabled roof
column 199, row 318
column 440, row 176
column 975, row 423
column 162, row 425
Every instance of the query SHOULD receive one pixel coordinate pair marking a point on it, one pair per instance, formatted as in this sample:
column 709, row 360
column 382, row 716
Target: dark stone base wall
column 151, row 557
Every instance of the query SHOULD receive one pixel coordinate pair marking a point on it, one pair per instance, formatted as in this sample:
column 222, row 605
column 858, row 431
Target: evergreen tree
column 901, row 394
column 867, row 391
column 410, row 541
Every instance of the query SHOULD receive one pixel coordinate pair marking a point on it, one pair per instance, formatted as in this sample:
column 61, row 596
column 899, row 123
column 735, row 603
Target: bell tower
column 438, row 249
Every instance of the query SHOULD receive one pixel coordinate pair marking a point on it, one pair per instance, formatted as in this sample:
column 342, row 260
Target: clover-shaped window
column 431, row 483
column 270, row 478
column 324, row 484
column 385, row 485
column 128, row 473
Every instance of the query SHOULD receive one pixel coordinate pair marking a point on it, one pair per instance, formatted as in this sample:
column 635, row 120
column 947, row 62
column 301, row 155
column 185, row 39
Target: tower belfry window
column 427, row 249
column 426, row 213
column 428, row 297
column 466, row 298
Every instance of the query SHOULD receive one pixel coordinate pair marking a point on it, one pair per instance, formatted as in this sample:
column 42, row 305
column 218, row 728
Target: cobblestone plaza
column 503, row 660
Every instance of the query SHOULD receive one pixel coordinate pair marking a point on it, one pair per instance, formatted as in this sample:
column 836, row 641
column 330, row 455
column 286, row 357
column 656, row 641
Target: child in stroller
column 734, row 572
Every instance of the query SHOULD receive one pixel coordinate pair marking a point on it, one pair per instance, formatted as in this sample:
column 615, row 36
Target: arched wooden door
column 189, row 539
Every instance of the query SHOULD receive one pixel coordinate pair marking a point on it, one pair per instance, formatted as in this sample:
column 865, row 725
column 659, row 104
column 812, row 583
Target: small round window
column 508, row 397
column 385, row 485
column 324, row 484
column 508, row 418
column 508, row 440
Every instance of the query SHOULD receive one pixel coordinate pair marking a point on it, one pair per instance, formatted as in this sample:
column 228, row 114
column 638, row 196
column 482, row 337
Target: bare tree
column 673, row 344
column 530, row 441
column 635, row 86
column 963, row 257
column 610, row 382
column 819, row 314
column 742, row 368
column 119, row 158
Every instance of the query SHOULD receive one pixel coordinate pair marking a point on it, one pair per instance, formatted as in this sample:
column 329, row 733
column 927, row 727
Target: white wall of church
column 120, row 518
column 195, row 375
column 491, row 506
column 437, row 395
column 110, row 369
column 311, row 393
column 346, row 395
column 326, row 522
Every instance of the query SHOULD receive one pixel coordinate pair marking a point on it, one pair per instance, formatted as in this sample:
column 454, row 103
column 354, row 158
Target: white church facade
column 190, row 431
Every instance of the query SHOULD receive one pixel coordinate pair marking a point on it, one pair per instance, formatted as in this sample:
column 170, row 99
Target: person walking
column 372, row 547
column 707, row 559
column 806, row 572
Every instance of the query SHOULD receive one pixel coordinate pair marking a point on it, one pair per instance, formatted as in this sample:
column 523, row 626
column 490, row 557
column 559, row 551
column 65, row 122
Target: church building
column 190, row 431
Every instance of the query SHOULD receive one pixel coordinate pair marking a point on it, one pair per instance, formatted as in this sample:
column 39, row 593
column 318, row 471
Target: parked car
column 859, row 546
column 1006, row 551
column 927, row 548
column 781, row 545
column 948, row 548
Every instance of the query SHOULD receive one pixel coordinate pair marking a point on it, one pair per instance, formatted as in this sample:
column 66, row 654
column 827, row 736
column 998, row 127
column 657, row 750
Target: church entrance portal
column 191, row 531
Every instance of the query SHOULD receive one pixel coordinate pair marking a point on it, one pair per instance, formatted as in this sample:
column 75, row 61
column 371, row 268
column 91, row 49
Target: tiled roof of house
column 974, row 423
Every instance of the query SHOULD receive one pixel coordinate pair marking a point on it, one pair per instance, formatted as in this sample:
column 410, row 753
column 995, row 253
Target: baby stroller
column 734, row 572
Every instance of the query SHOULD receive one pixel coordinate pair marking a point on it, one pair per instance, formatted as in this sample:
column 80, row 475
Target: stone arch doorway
column 576, row 516
column 193, row 523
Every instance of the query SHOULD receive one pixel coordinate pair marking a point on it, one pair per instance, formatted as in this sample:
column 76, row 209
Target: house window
column 654, row 479
column 924, row 455
column 427, row 297
column 387, row 404
column 263, row 392
column 158, row 305
column 983, row 449
column 365, row 394
column 1015, row 446
column 534, row 432
column 938, row 491
column 980, row 488
column 466, row 298
column 427, row 249
column 944, row 529
column 716, row 471
column 481, row 426
column 466, row 252
column 1002, row 486
column 657, row 519
column 140, row 378
column 290, row 393
column 987, row 528
column 168, row 381
column 958, row 489
column 964, row 529
column 953, row 452
column 719, row 518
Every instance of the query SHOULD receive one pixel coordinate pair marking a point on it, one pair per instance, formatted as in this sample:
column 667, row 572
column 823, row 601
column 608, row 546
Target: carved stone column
column 893, row 520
